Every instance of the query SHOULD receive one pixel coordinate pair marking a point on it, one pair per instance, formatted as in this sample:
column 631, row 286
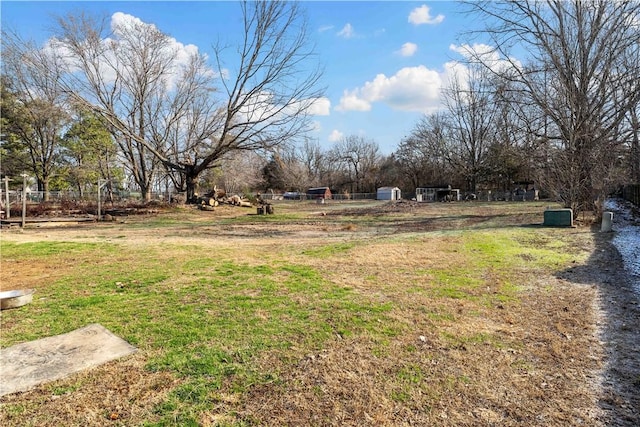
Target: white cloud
column 53, row 47
column 121, row 20
column 346, row 32
column 311, row 106
column 324, row 28
column 408, row 49
column 455, row 72
column 422, row 15
column 320, row 107
column 476, row 50
column 262, row 106
column 485, row 53
column 124, row 25
column 352, row 101
column 115, row 58
column 258, row 107
column 335, row 136
column 410, row 89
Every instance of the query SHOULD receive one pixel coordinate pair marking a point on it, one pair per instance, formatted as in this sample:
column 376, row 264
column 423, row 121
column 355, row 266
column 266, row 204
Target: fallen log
column 207, row 201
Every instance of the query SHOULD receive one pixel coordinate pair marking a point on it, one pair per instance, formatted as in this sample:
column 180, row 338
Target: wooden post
column 105, row 181
column 6, row 190
column 24, row 199
column 98, row 200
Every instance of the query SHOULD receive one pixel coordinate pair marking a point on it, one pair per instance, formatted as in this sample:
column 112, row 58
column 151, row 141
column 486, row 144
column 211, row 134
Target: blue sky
column 384, row 61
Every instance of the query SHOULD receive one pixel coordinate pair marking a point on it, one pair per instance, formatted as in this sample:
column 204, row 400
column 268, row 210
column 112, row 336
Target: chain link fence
column 632, row 193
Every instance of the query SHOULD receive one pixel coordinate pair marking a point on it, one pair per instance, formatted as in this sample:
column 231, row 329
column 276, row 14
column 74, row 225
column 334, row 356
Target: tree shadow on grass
column 619, row 329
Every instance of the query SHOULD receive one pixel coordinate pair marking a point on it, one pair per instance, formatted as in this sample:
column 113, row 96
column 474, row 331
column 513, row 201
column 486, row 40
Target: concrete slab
column 26, row 365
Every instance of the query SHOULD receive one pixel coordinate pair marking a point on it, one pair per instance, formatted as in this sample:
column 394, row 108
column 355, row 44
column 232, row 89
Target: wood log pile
column 218, row 196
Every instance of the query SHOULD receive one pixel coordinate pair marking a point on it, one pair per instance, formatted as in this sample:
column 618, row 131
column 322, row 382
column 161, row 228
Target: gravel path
column 617, row 261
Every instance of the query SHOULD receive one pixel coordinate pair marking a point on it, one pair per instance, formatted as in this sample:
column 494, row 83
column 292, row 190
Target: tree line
column 555, row 101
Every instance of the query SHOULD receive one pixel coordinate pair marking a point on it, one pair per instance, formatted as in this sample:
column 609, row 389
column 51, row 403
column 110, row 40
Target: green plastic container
column 558, row 218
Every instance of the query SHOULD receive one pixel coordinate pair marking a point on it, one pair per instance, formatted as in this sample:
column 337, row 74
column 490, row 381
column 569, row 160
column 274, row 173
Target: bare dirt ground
column 593, row 306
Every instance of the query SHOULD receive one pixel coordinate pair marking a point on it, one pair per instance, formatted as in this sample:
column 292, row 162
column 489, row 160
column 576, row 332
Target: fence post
column 24, row 199
column 6, row 189
column 631, row 193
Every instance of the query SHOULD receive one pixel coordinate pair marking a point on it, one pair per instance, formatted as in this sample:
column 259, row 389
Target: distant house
column 388, row 193
column 319, row 193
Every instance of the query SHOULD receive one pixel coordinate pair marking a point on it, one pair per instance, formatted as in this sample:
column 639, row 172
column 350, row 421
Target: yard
column 346, row 313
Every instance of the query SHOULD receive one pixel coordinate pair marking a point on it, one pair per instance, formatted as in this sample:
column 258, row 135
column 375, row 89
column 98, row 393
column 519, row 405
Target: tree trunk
column 43, row 186
column 46, row 196
column 191, row 181
column 635, row 148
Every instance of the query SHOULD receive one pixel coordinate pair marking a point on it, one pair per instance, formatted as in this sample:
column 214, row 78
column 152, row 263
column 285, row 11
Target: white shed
column 388, row 193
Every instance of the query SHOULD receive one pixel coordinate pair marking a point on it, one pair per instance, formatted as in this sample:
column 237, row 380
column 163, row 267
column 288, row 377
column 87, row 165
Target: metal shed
column 388, row 193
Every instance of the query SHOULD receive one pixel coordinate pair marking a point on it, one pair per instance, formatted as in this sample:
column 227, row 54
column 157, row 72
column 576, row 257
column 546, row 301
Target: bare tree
column 172, row 111
column 512, row 155
column 239, row 172
column 358, row 159
column 313, row 159
column 472, row 111
column 285, row 171
column 40, row 119
column 390, row 174
column 297, row 167
column 583, row 74
column 423, row 155
column 634, row 144
column 124, row 77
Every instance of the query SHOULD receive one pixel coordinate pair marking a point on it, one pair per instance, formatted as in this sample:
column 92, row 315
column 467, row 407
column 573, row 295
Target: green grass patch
column 35, row 250
column 226, row 320
column 518, row 248
column 208, row 326
column 329, row 250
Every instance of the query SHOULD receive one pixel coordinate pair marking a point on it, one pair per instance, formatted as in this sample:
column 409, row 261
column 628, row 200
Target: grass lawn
column 339, row 314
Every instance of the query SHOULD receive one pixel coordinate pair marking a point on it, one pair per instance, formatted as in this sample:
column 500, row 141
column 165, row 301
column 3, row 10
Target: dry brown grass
column 426, row 377
column 540, row 383
column 118, row 393
column 536, row 359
